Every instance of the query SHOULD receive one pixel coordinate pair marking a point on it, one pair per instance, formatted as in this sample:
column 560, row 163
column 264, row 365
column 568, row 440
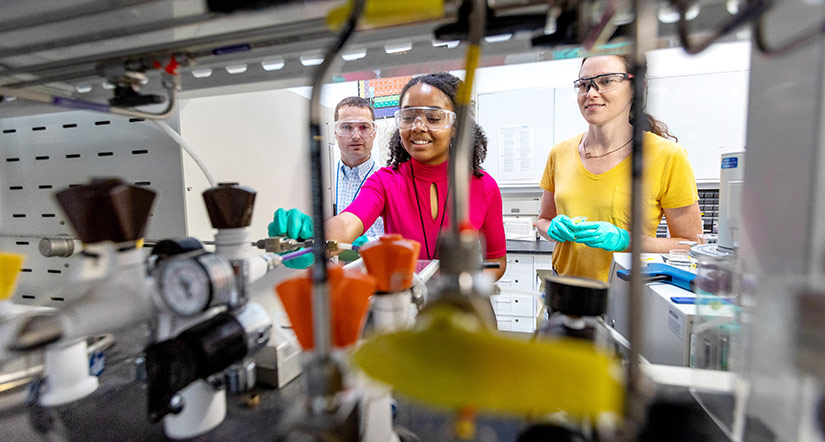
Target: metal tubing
column 321, row 316
column 73, row 103
column 128, row 31
column 463, row 142
column 645, row 32
column 199, row 46
column 69, row 13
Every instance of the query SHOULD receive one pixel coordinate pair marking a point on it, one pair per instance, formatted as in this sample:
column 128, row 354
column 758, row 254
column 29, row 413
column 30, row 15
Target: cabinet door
column 511, row 304
column 516, row 323
column 519, row 265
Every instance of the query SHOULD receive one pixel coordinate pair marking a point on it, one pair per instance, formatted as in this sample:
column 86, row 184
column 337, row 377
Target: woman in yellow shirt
column 588, row 176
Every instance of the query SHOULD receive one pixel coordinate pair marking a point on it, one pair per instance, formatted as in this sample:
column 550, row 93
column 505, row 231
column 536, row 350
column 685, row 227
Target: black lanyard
column 421, row 216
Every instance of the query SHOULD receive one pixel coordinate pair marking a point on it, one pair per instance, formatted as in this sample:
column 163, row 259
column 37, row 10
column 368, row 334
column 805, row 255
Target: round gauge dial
column 189, row 284
column 184, row 286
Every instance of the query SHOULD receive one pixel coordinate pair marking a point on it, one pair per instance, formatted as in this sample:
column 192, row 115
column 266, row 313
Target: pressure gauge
column 189, row 284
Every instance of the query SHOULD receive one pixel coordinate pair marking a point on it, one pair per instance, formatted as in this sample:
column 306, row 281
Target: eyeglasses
column 602, row 83
column 346, row 128
column 431, row 117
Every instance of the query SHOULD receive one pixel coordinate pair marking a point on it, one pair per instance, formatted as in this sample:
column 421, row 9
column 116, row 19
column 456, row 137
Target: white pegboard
column 43, row 154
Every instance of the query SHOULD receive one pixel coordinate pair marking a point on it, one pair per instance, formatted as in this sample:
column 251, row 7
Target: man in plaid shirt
column 355, row 133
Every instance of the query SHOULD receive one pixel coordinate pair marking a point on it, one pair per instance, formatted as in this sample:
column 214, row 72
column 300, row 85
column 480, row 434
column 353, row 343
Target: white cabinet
column 519, row 274
column 516, row 310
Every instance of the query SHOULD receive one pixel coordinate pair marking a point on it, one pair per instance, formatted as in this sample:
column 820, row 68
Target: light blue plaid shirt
column 348, row 181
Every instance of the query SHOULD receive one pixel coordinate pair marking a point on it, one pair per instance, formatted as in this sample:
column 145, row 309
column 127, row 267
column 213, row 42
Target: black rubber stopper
column 575, row 296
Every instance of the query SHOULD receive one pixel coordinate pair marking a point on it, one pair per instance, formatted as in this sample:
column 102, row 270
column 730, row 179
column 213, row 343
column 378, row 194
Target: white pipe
column 178, row 139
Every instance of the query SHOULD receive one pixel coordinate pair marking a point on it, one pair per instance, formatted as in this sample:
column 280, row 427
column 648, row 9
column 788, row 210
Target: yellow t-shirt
column 668, row 183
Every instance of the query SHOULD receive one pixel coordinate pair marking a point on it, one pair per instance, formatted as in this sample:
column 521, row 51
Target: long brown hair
column 449, row 84
column 649, row 123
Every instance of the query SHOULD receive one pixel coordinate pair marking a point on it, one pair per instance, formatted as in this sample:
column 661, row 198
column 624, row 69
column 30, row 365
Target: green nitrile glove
column 360, row 241
column 602, row 235
column 296, row 225
column 561, row 229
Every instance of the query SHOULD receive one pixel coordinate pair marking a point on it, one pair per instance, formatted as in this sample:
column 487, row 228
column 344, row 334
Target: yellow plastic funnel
column 450, row 360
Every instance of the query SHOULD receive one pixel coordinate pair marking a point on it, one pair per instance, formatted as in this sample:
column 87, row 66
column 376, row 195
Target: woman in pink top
column 411, row 194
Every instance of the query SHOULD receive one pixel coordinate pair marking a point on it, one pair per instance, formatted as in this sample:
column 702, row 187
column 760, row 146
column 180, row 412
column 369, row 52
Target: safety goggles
column 602, row 83
column 346, row 128
column 431, row 117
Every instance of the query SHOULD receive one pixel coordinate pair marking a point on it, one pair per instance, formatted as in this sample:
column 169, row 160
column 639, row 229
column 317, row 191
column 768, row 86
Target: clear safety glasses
column 346, row 128
column 602, row 83
column 431, row 117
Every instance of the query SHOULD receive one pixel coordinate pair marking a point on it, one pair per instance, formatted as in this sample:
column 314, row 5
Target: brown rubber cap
column 350, row 292
column 107, row 209
column 391, row 261
column 229, row 205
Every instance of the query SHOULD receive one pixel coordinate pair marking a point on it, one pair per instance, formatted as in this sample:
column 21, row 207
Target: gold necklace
column 588, row 155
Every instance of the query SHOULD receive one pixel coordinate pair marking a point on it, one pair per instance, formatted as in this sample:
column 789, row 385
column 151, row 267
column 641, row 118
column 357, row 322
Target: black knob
column 107, row 210
column 229, row 205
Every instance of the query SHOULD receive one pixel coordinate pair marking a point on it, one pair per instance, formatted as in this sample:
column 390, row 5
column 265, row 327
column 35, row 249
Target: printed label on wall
column 515, row 152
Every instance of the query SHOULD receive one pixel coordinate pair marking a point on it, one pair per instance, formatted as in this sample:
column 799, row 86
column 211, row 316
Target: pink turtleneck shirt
column 391, row 195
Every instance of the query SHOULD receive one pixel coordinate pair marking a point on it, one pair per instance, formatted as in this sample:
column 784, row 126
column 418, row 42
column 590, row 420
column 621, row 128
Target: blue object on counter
column 665, row 273
column 703, row 300
column 683, row 299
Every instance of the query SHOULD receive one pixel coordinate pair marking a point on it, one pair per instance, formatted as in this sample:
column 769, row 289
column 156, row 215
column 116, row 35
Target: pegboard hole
column 45, row 186
column 9, row 131
column 54, row 271
column 26, row 270
column 72, row 155
column 12, row 160
column 18, row 215
column 22, row 243
column 136, row 120
column 42, row 158
column 48, row 215
column 143, row 183
column 55, row 298
column 15, row 187
column 69, row 126
column 38, row 128
column 74, row 185
column 140, row 152
column 27, row 297
column 102, row 123
column 105, row 154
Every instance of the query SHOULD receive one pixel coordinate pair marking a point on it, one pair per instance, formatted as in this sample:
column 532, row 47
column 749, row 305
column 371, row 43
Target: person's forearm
column 661, row 245
column 542, row 224
column 497, row 273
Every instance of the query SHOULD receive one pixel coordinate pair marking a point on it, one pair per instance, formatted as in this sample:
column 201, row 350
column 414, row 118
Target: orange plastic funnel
column 350, row 292
column 391, row 261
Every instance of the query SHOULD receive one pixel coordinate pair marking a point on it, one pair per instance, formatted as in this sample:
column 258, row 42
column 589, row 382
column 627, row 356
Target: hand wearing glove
column 561, row 229
column 602, row 235
column 296, row 225
column 360, row 241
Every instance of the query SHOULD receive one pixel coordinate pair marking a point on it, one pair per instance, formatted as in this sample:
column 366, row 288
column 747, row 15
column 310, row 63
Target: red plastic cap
column 391, row 261
column 350, row 291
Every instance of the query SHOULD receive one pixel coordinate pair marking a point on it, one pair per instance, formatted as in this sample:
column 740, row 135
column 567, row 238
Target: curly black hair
column 449, row 84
